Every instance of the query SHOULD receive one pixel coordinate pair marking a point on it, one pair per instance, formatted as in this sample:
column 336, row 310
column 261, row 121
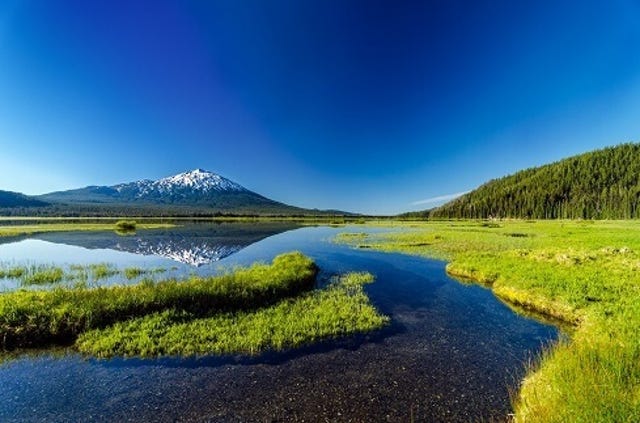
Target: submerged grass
column 102, row 271
column 41, row 275
column 583, row 272
column 341, row 309
column 12, row 272
column 48, row 274
column 40, row 318
column 133, row 272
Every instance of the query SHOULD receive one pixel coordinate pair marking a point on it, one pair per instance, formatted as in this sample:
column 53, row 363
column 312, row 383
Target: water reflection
column 191, row 244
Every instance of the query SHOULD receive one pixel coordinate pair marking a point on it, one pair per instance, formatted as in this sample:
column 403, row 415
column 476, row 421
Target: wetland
column 448, row 352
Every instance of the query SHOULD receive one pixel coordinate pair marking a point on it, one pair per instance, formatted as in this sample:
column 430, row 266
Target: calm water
column 451, row 354
column 188, row 249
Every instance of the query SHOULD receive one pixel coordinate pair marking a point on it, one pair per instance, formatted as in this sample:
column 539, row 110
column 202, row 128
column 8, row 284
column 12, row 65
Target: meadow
column 584, row 273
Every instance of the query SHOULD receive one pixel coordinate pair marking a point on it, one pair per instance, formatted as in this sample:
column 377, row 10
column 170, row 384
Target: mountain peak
column 193, row 191
column 197, row 171
column 199, row 180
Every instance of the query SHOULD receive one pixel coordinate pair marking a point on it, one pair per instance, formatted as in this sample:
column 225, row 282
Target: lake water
column 452, row 353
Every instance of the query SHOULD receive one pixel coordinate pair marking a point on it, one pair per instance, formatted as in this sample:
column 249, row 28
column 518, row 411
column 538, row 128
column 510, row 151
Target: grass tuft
column 133, row 272
column 43, row 276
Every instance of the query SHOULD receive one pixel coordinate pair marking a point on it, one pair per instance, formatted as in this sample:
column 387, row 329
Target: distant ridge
column 195, row 187
column 602, row 184
column 11, row 199
column 196, row 190
column 194, row 193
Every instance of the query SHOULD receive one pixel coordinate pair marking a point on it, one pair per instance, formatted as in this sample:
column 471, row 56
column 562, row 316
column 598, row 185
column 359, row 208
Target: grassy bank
column 245, row 311
column 341, row 309
column 583, row 272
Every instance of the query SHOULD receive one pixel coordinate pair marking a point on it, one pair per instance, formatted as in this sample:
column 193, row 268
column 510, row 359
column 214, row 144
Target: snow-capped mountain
column 198, row 188
column 195, row 181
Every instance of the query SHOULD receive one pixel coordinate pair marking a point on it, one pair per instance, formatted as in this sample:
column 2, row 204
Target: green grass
column 30, row 229
column 341, row 309
column 12, row 272
column 585, row 273
column 47, row 274
column 40, row 318
column 102, row 271
column 133, row 272
column 41, row 275
column 246, row 310
column 95, row 272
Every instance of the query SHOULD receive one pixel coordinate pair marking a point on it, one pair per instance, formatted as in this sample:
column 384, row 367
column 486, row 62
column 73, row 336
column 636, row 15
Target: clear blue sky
column 368, row 106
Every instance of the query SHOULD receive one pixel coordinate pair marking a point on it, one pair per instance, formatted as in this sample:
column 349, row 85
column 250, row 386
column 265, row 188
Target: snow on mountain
column 197, row 181
column 197, row 189
column 201, row 180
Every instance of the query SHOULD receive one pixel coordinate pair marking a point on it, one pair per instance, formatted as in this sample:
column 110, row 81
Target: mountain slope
column 195, row 189
column 603, row 184
column 14, row 199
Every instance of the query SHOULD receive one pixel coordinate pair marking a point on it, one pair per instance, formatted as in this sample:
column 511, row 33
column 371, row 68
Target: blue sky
column 367, row 106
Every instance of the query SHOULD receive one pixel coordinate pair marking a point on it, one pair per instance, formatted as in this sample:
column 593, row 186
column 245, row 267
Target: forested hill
column 603, row 184
column 15, row 199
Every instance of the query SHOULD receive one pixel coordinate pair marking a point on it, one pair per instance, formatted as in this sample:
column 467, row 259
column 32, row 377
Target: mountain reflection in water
column 189, row 244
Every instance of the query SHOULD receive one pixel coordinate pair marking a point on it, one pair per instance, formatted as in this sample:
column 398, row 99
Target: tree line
column 603, row 184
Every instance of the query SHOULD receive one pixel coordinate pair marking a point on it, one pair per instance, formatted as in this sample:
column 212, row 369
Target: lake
column 452, row 353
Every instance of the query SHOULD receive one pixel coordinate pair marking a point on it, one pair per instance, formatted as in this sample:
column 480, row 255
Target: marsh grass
column 48, row 274
column 102, row 271
column 41, row 275
column 12, row 272
column 586, row 273
column 59, row 315
column 133, row 272
column 341, row 309
column 32, row 274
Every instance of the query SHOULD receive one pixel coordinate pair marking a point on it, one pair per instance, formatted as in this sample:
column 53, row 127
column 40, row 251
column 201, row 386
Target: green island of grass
column 341, row 309
column 248, row 310
column 586, row 273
